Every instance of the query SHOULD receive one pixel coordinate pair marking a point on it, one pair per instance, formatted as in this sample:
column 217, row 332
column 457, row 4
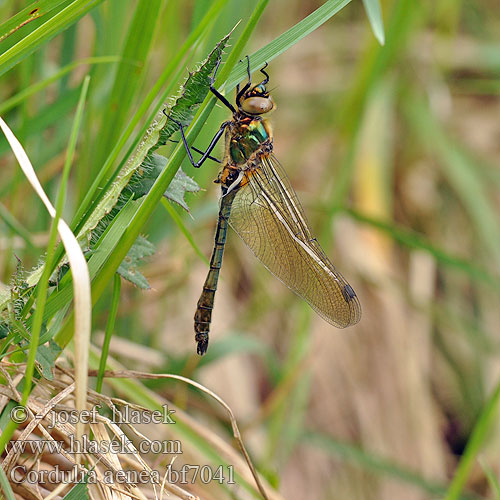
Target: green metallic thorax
column 246, row 137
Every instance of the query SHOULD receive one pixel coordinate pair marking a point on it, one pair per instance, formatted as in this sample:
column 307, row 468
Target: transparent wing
column 267, row 215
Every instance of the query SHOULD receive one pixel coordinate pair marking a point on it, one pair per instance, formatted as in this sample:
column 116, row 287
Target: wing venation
column 267, row 215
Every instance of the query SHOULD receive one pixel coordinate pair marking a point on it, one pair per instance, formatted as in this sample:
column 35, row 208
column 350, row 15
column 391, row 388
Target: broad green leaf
column 145, row 177
column 79, row 491
column 46, row 356
column 180, row 185
column 129, row 268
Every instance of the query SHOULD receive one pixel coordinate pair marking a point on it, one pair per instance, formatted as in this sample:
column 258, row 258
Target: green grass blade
column 286, row 40
column 353, row 454
column 78, row 492
column 401, row 22
column 5, row 486
column 110, row 328
column 374, row 13
column 460, row 171
column 107, row 243
column 492, row 479
column 136, row 48
column 59, row 22
column 180, row 224
column 371, row 70
column 474, row 445
column 47, row 116
column 28, row 14
column 412, row 239
column 15, row 226
column 17, row 99
column 41, row 288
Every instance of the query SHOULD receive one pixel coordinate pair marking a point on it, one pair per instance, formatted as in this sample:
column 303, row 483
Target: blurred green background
column 393, row 152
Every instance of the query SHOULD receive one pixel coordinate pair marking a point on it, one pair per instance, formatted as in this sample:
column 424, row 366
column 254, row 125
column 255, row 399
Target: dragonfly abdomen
column 203, row 315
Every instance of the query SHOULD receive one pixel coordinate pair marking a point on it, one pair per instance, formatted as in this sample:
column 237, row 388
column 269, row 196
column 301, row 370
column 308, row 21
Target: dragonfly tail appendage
column 202, row 319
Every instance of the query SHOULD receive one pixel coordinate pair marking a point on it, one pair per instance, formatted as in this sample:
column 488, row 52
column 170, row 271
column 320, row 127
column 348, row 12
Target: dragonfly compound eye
column 256, row 105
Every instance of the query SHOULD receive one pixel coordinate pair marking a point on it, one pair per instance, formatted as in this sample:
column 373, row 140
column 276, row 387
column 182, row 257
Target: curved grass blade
column 81, row 281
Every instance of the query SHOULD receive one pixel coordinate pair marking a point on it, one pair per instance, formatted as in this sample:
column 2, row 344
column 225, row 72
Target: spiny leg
column 215, row 92
column 219, row 133
column 241, row 93
column 199, row 151
column 210, row 147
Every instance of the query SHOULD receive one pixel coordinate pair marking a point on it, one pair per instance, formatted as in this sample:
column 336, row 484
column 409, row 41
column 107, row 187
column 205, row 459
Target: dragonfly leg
column 266, row 79
column 209, row 156
column 210, row 147
column 241, row 93
column 215, row 92
column 200, row 151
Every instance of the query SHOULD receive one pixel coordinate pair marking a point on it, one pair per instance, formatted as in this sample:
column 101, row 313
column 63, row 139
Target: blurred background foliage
column 393, row 151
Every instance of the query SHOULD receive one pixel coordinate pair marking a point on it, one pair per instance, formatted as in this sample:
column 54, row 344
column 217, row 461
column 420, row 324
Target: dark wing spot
column 348, row 293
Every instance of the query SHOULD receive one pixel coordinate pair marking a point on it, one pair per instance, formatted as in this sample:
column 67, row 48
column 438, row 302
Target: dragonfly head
column 256, row 100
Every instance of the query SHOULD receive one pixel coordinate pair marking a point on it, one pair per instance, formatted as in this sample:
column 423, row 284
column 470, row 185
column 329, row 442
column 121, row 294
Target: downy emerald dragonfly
column 259, row 203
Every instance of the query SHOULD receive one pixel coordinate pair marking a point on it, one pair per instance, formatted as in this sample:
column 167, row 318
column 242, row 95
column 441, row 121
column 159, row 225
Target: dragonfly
column 260, row 204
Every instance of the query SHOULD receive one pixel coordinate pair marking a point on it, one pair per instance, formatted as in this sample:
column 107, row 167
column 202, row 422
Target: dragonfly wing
column 267, row 215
